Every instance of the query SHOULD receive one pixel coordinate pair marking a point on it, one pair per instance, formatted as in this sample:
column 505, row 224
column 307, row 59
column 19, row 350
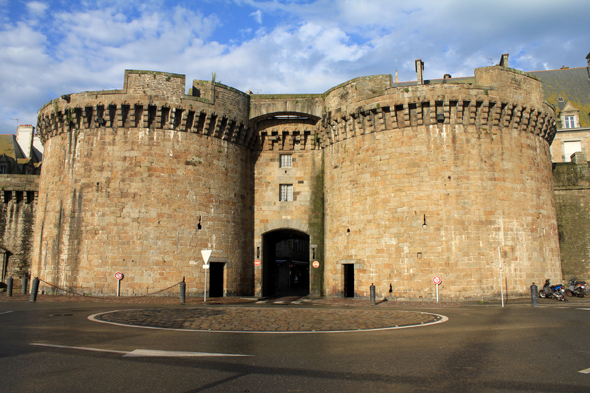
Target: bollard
column 25, row 285
column 182, row 291
column 534, row 295
column 372, row 294
column 9, row 286
column 34, row 289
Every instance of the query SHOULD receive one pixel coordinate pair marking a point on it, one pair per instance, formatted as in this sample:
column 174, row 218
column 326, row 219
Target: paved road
column 480, row 348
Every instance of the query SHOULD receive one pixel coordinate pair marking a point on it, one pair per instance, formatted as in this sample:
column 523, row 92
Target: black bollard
column 372, row 294
column 9, row 286
column 34, row 289
column 182, row 291
column 25, row 285
column 534, row 295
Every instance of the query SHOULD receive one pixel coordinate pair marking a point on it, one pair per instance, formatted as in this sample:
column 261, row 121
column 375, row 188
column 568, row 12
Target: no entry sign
column 119, row 276
column 316, row 264
column 257, row 262
column 437, row 280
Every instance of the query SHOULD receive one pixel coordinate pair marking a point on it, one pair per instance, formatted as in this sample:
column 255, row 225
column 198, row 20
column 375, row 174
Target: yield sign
column 206, row 255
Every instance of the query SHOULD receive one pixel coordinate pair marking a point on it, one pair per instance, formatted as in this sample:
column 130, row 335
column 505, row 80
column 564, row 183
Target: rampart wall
column 18, row 201
column 571, row 181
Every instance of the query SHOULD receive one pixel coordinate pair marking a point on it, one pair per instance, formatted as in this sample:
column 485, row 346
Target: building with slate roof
column 568, row 91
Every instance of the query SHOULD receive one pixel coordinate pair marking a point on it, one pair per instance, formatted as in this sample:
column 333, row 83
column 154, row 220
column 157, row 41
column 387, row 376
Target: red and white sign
column 316, row 264
column 257, row 262
column 437, row 280
column 119, row 276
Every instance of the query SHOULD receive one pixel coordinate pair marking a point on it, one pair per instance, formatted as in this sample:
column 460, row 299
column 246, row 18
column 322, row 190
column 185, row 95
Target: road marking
column 5, row 312
column 587, row 371
column 587, row 309
column 80, row 348
column 141, row 352
column 170, row 354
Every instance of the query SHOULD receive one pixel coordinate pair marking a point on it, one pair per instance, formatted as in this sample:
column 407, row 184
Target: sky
column 50, row 48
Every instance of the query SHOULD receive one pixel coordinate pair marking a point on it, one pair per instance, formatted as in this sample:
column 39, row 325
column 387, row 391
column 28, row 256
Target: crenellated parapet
column 146, row 115
column 150, row 100
column 482, row 107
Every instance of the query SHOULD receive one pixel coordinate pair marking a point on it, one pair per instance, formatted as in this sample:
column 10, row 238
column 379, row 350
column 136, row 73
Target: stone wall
column 572, row 197
column 18, row 201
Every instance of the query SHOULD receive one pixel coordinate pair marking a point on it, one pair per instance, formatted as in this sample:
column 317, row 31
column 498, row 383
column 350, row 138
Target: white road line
column 5, row 312
column 142, row 352
column 587, row 371
column 80, row 348
column 587, row 309
column 171, row 354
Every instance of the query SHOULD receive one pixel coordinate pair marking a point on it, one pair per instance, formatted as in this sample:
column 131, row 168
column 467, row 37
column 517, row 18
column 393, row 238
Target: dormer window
column 3, row 169
column 570, row 121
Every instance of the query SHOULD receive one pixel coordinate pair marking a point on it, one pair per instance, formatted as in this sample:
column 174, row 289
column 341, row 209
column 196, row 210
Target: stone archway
column 285, row 263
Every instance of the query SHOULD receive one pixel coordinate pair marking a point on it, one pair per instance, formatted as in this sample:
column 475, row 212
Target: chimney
column 24, row 138
column 420, row 71
column 504, row 60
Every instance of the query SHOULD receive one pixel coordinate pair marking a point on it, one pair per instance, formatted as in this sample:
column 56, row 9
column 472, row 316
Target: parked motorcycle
column 556, row 292
column 576, row 288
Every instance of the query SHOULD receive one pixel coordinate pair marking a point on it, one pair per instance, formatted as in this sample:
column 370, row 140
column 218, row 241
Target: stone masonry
column 400, row 182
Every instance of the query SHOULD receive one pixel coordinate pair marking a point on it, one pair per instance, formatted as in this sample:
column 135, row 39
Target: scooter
column 555, row 291
column 576, row 288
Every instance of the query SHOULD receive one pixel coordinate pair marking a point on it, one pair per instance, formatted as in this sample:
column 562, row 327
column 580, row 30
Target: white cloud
column 257, row 15
column 302, row 47
column 37, row 8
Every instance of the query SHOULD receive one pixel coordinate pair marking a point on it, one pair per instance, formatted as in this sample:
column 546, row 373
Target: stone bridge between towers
column 286, row 105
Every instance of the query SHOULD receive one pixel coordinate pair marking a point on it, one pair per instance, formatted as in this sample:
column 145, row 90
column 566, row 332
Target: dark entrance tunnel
column 285, row 270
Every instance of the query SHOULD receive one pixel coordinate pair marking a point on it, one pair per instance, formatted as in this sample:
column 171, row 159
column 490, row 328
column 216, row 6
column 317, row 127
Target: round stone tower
column 447, row 179
column 140, row 180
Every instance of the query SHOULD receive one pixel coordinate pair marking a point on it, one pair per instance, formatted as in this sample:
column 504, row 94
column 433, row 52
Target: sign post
column 206, row 255
column 436, row 280
column 119, row 276
column 501, row 286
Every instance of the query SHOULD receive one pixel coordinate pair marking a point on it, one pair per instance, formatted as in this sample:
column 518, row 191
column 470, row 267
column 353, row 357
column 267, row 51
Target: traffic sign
column 316, row 264
column 257, row 262
column 206, row 254
column 206, row 266
column 437, row 280
column 119, row 276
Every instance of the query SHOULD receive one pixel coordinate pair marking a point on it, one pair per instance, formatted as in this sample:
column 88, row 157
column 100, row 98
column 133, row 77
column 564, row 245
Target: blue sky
column 50, row 48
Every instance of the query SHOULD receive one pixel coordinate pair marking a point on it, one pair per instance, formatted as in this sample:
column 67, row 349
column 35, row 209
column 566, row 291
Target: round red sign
column 119, row 276
column 437, row 280
column 316, row 264
column 257, row 263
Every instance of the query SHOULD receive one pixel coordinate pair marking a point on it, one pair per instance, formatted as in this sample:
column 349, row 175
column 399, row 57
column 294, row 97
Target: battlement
column 152, row 100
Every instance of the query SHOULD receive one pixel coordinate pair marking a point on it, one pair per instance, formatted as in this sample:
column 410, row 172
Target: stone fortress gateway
column 380, row 182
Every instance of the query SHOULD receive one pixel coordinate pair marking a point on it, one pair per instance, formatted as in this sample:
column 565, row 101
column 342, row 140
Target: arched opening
column 285, row 270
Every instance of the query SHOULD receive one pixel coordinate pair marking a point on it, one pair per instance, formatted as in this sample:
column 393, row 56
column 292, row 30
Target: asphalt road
column 479, row 349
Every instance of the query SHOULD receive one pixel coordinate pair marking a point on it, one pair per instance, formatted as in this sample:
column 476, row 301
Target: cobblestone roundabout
column 244, row 319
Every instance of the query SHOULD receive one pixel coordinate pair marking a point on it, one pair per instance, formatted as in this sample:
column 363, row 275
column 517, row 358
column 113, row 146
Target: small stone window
column 286, row 161
column 286, row 192
column 570, row 121
column 3, row 169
